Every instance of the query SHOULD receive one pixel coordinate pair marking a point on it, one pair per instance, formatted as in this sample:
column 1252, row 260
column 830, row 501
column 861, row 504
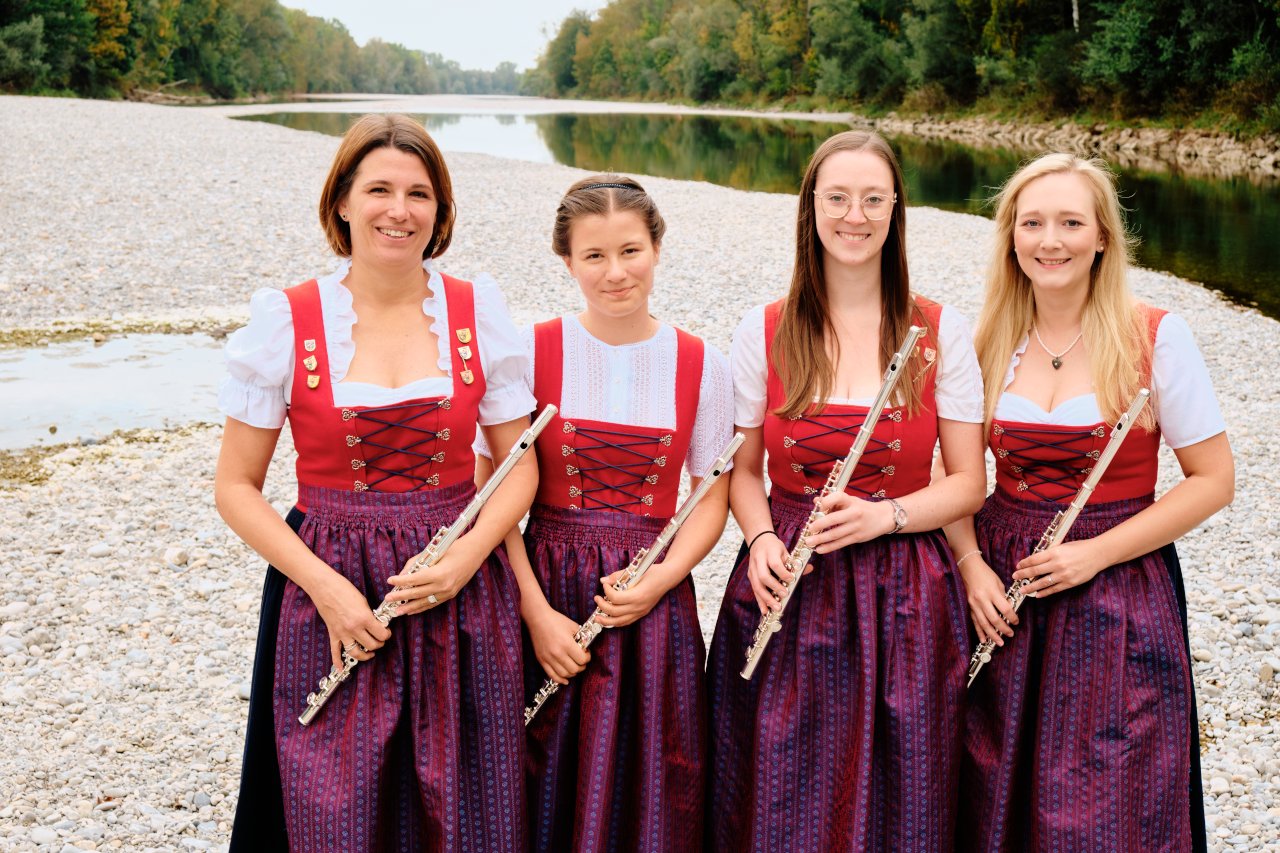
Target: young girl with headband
column 617, row 755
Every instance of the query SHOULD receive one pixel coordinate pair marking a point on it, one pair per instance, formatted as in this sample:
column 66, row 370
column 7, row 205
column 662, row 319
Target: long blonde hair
column 1114, row 328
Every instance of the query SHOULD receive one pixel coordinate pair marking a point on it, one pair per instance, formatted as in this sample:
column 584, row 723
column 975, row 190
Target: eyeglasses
column 874, row 206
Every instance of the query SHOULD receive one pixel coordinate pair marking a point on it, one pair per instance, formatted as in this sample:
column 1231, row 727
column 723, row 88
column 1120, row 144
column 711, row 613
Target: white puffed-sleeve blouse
column 260, row 356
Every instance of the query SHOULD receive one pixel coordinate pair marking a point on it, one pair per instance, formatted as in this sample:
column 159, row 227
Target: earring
column 343, row 216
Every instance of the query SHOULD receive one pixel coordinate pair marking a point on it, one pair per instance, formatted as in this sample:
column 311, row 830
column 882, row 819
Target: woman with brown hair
column 383, row 368
column 848, row 735
column 1081, row 730
column 617, row 755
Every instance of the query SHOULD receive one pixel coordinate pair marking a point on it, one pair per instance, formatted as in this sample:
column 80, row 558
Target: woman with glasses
column 617, row 755
column 847, row 737
column 1081, row 731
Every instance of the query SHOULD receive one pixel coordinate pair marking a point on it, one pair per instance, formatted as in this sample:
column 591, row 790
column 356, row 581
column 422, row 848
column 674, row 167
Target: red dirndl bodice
column 897, row 459
column 401, row 447
column 1049, row 462
column 595, row 465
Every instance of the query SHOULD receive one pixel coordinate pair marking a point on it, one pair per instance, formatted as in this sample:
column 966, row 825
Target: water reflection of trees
column 745, row 153
column 336, row 124
column 1208, row 230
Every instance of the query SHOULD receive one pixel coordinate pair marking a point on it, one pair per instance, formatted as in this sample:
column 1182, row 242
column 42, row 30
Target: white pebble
column 43, row 835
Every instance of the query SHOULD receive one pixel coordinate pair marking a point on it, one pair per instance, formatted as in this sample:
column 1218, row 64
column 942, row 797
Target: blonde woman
column 1080, row 733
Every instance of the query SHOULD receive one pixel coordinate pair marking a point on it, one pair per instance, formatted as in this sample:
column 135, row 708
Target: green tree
column 154, row 36
column 67, row 31
column 705, row 62
column 208, row 47
column 261, row 30
column 555, row 70
column 941, row 47
column 22, row 50
column 1128, row 59
column 857, row 57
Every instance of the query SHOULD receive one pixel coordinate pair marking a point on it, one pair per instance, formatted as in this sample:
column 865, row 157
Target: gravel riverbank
column 128, row 611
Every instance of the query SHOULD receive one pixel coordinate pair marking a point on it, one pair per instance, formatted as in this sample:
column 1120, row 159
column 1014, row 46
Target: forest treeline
column 1217, row 62
column 222, row 48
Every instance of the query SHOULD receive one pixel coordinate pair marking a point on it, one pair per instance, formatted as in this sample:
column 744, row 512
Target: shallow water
column 82, row 391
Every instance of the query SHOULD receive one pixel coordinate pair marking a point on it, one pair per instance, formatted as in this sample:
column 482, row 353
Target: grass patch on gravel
column 101, row 330
column 28, row 466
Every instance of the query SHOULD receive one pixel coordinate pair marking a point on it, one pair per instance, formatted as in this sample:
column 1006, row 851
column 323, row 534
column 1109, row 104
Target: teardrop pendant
column 1057, row 362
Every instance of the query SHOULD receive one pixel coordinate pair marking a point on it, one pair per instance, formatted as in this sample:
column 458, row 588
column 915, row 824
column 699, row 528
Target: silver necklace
column 1057, row 356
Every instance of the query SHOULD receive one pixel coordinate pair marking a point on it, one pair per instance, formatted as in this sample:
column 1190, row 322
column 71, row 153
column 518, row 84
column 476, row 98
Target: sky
column 474, row 33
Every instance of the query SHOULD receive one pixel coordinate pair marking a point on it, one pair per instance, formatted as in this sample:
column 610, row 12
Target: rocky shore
column 128, row 610
column 1158, row 149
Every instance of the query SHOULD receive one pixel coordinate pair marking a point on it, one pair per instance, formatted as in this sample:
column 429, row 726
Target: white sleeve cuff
column 958, row 390
column 251, row 404
column 1186, row 406
column 750, row 371
column 503, row 355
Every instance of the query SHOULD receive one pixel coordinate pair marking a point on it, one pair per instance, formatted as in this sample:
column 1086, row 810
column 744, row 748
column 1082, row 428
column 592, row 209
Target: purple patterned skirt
column 848, row 736
column 421, row 749
column 616, row 758
column 1077, row 735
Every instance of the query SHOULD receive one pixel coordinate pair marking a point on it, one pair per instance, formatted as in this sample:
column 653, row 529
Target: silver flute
column 640, row 563
column 1058, row 529
column 431, row 555
column 837, row 482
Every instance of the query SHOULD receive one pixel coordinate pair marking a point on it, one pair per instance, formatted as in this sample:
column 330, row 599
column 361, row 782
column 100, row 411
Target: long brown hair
column 1115, row 330
column 369, row 133
column 802, row 364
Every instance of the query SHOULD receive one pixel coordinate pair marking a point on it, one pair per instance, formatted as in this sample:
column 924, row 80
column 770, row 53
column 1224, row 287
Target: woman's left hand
column 622, row 607
column 848, row 520
column 435, row 585
column 1060, row 568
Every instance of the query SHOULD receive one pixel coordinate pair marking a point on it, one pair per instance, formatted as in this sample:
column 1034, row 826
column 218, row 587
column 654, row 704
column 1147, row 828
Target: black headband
column 611, row 187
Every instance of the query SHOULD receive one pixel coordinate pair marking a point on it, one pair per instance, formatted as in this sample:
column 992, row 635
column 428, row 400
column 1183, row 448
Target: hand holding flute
column 1061, row 524
column 837, row 481
column 431, row 555
column 640, row 563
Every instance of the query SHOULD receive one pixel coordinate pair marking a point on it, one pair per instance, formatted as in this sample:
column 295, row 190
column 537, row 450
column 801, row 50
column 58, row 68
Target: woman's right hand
column 350, row 622
column 554, row 645
column 992, row 614
column 767, row 569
